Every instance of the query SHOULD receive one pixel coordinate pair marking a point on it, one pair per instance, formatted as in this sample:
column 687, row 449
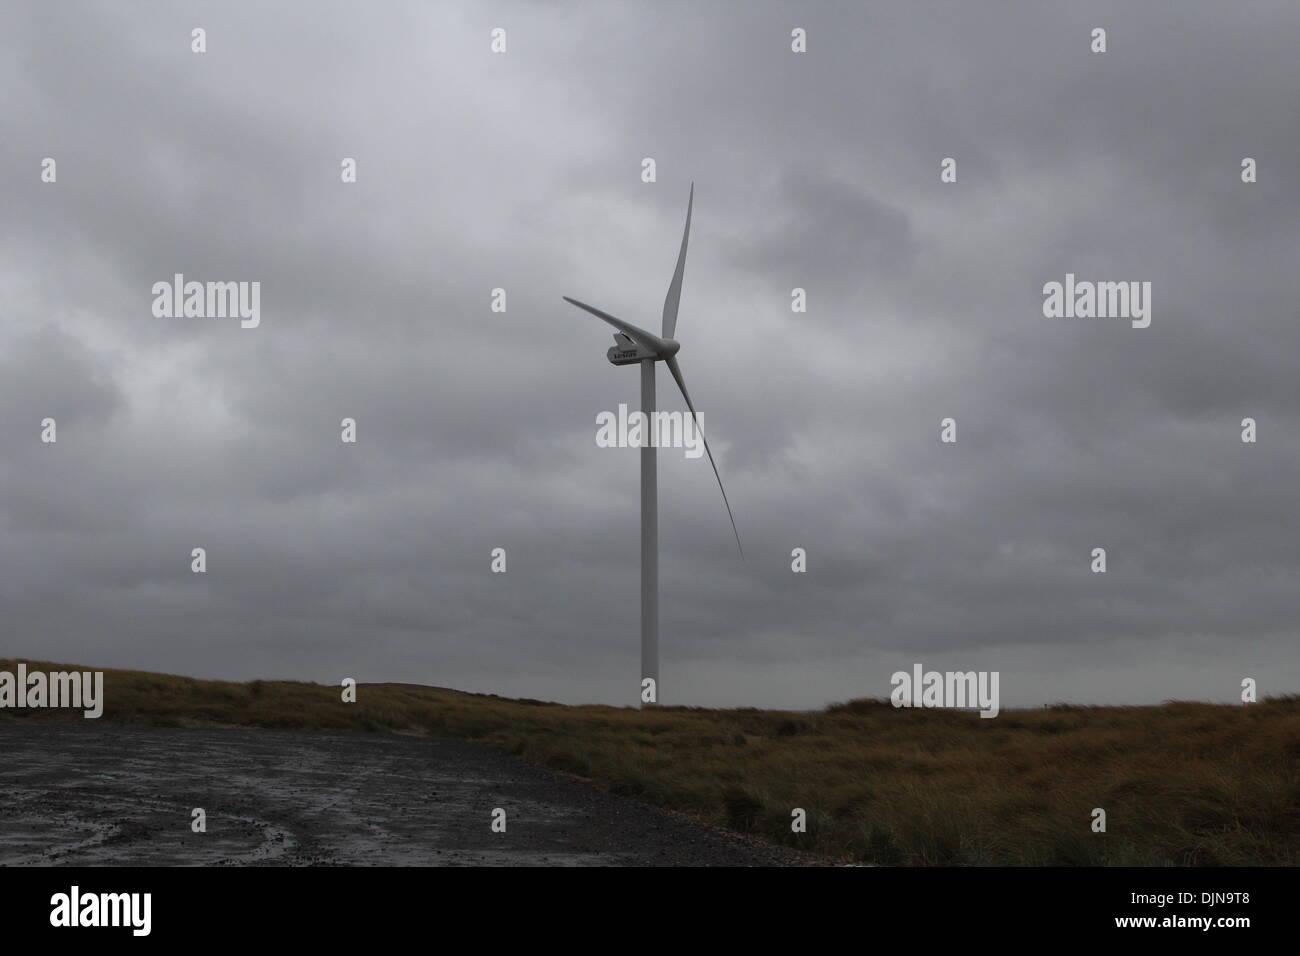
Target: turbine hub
column 671, row 348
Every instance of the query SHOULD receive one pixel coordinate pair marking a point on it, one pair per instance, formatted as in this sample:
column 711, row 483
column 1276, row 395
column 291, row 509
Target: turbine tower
column 634, row 346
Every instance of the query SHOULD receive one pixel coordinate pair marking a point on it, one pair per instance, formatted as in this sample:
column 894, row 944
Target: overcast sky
column 476, row 429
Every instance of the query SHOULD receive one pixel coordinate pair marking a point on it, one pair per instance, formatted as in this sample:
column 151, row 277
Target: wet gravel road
column 95, row 795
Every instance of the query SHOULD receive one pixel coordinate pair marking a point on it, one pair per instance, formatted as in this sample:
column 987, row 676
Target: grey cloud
column 476, row 429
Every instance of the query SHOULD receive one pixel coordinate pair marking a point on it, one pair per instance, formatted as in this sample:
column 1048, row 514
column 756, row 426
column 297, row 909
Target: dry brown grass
column 1182, row 784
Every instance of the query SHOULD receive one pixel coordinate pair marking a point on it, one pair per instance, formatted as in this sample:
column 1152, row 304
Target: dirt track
column 94, row 794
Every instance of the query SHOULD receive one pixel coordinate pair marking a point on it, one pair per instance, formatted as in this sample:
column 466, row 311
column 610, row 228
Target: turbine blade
column 681, row 384
column 647, row 340
column 675, row 288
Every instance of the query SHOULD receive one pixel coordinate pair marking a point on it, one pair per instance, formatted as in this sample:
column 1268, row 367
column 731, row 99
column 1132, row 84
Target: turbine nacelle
column 625, row 350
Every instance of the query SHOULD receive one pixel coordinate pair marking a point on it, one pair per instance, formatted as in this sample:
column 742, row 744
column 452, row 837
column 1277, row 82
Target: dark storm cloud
column 828, row 235
column 476, row 429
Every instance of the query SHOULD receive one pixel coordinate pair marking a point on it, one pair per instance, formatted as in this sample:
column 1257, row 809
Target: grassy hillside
column 1182, row 784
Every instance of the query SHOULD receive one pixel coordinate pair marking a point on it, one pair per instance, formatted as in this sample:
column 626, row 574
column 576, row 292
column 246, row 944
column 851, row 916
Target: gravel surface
column 95, row 795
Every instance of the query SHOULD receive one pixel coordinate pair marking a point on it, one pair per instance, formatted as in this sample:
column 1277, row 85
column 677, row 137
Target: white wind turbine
column 637, row 346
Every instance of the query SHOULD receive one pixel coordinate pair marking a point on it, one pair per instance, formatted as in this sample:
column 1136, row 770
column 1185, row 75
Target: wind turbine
column 634, row 346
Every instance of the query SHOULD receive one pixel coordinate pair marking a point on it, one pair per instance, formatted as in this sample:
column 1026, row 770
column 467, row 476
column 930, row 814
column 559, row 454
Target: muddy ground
column 97, row 795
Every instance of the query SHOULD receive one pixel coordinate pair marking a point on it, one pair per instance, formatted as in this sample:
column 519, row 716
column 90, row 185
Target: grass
column 1182, row 784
